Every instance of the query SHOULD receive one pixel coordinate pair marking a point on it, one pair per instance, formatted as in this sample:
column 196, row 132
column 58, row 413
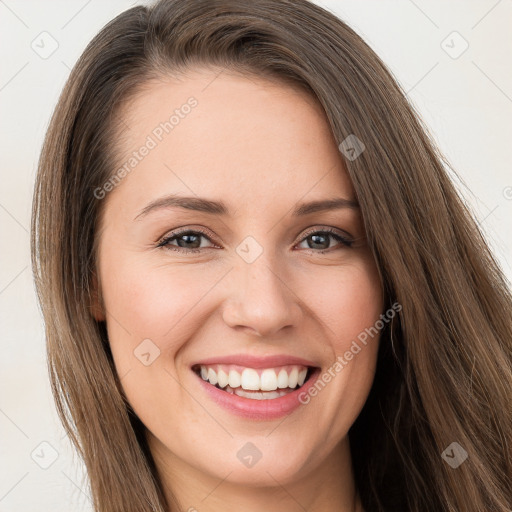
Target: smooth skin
column 262, row 148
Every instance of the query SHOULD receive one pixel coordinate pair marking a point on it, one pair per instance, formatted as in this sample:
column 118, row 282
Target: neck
column 328, row 487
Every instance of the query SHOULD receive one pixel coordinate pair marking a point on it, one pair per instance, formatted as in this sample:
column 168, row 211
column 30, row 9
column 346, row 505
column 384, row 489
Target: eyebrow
column 219, row 208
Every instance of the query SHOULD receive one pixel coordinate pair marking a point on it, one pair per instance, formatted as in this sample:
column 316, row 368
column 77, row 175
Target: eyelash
column 164, row 243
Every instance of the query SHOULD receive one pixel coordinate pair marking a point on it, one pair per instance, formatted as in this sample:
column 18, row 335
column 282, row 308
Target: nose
column 261, row 301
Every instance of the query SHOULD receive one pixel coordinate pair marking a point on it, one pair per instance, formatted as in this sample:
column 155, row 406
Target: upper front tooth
column 204, row 373
column 234, row 379
column 268, row 380
column 250, row 379
column 222, row 376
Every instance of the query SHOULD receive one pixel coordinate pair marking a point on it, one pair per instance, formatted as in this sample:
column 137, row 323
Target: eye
column 321, row 240
column 188, row 241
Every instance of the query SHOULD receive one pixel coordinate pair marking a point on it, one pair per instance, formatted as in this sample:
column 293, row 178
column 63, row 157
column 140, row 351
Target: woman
column 260, row 287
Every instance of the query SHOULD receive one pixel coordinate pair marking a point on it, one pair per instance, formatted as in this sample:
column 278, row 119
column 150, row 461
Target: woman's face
column 242, row 278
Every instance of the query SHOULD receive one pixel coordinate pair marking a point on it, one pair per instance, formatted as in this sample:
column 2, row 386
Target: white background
column 466, row 102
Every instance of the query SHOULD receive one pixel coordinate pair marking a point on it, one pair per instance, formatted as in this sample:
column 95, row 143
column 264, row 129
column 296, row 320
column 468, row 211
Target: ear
column 96, row 305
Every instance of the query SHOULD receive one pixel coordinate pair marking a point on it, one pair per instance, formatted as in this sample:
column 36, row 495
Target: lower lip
column 259, row 409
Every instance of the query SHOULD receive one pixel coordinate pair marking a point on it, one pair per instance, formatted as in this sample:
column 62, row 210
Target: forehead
column 219, row 133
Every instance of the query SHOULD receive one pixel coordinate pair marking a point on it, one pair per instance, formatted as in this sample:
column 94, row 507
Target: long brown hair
column 444, row 369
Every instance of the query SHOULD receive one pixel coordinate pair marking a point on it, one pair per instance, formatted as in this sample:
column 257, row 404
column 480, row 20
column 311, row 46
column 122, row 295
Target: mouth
column 256, row 383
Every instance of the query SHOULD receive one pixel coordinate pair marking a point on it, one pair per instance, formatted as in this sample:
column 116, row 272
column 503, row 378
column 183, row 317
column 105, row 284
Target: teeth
column 250, row 379
column 293, row 378
column 257, row 395
column 302, row 376
column 282, row 379
column 268, row 380
column 273, row 381
column 260, row 396
column 222, row 376
column 212, row 376
column 234, row 378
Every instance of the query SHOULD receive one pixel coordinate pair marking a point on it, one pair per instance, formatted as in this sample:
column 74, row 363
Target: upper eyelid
column 329, row 230
column 180, row 232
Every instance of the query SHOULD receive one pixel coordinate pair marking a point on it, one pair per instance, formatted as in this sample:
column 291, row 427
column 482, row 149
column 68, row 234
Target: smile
column 255, row 384
column 266, row 391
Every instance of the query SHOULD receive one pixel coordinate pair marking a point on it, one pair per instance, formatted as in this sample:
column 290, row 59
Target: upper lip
column 250, row 361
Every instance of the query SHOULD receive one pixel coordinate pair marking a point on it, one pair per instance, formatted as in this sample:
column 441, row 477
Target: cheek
column 153, row 303
column 348, row 304
column 346, row 301
column 150, row 317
